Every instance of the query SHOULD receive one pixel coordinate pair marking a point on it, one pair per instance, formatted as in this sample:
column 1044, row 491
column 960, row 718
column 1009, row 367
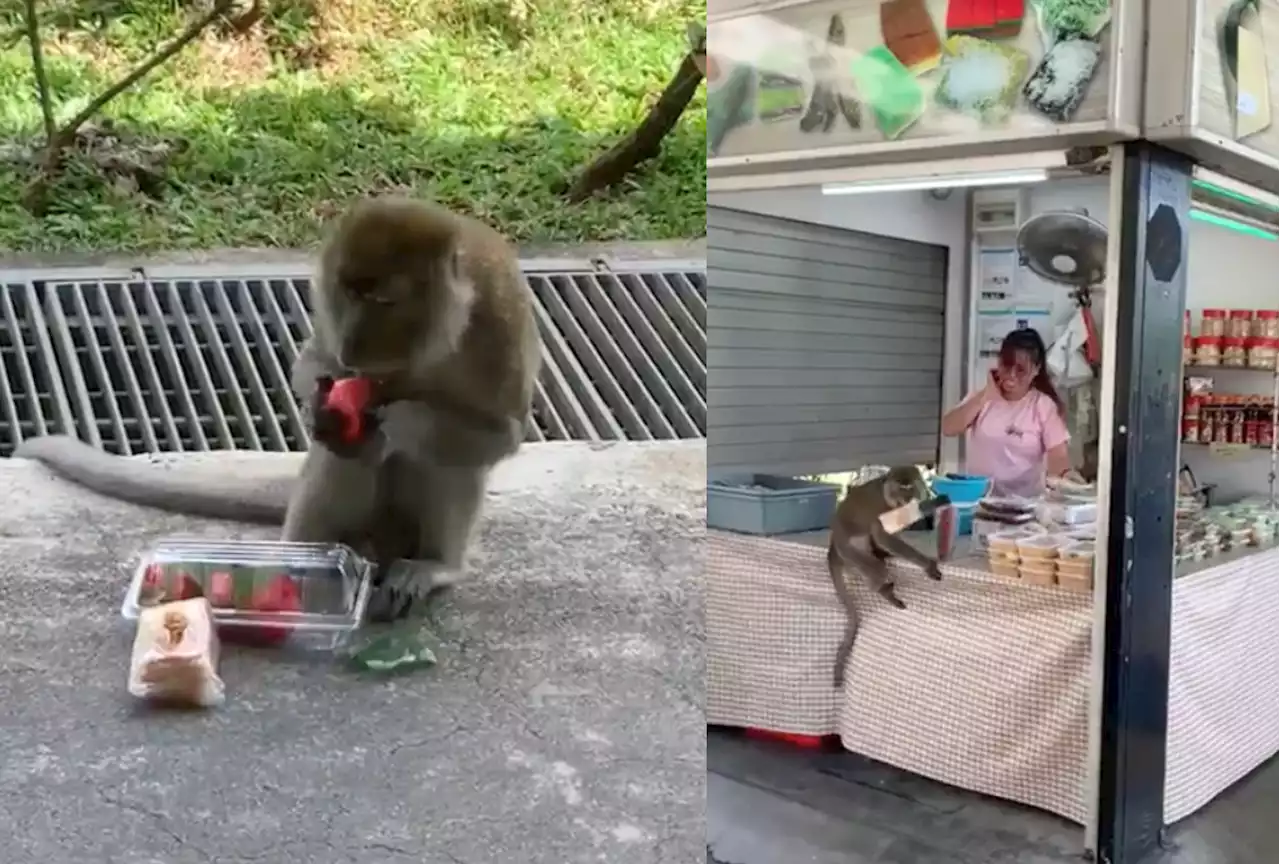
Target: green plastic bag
column 889, row 90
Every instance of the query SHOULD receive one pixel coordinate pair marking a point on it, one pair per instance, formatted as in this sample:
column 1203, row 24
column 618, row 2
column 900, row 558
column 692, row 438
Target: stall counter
column 983, row 682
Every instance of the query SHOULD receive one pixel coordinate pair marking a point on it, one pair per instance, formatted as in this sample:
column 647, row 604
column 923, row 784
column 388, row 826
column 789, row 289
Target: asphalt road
column 565, row 722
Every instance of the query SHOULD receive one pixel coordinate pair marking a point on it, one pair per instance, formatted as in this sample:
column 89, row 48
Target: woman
column 1015, row 423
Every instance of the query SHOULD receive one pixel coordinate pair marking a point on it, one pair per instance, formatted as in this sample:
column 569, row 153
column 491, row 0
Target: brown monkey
column 860, row 540
column 431, row 306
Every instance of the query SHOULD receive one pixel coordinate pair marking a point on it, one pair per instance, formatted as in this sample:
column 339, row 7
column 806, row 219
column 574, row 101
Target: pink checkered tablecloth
column 1224, row 667
column 981, row 683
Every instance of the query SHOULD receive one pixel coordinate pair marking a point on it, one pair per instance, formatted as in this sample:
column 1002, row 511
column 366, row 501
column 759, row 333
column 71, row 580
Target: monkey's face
column 393, row 295
column 902, row 486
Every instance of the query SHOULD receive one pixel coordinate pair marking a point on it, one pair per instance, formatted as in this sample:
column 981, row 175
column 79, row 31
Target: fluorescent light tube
column 940, row 181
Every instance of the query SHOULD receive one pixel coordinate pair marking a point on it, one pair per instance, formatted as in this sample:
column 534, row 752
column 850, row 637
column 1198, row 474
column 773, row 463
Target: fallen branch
column 58, row 139
column 645, row 142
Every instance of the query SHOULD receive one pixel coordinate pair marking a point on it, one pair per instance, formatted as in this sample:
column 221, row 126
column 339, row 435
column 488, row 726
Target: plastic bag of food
column 1058, row 85
column 981, row 78
column 889, row 89
column 175, row 655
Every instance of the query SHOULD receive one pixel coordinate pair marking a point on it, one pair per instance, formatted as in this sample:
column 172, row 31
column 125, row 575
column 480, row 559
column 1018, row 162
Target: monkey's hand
column 331, row 426
column 404, row 585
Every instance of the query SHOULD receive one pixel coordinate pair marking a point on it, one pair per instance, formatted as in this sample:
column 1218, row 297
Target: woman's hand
column 992, row 390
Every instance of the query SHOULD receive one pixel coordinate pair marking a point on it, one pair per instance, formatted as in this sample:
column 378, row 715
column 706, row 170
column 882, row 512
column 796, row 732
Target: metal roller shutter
column 824, row 346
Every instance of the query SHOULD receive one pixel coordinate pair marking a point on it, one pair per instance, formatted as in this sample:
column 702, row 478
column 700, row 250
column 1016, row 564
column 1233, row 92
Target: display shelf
column 1235, row 447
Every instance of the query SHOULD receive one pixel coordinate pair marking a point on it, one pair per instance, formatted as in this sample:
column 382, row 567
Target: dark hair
column 1028, row 341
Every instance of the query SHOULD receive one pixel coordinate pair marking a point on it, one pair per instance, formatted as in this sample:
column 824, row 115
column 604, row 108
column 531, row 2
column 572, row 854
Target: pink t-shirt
column 1009, row 440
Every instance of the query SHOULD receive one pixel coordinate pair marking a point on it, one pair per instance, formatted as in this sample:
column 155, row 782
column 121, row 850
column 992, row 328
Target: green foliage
column 324, row 100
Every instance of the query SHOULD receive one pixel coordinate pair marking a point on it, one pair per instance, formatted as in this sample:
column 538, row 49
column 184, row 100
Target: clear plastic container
column 1233, row 352
column 1239, row 324
column 1041, row 548
column 1262, row 353
column 1213, row 323
column 1208, row 351
column 1266, row 324
column 309, row 595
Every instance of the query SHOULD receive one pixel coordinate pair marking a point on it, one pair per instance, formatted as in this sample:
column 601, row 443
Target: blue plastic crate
column 763, row 504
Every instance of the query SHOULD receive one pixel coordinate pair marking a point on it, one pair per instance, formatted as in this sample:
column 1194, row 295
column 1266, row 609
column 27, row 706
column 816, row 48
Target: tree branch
column 646, row 141
column 37, row 67
column 69, row 129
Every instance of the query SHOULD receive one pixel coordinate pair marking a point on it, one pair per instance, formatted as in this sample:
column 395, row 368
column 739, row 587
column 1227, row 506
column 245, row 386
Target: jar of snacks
column 1239, row 323
column 1186, row 323
column 1252, row 418
column 1190, row 429
column 1233, row 352
column 1239, row 416
column 1266, row 422
column 1223, row 425
column 1266, row 324
column 1208, row 350
column 1208, row 420
column 1213, row 322
column 1262, row 353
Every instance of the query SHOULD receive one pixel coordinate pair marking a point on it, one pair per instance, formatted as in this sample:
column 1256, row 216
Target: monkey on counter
column 860, row 540
column 429, row 306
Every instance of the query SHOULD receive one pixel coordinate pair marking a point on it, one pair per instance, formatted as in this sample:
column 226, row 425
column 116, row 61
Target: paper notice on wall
column 997, row 281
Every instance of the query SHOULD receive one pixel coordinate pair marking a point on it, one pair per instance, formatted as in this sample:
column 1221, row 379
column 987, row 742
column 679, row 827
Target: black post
column 1144, row 478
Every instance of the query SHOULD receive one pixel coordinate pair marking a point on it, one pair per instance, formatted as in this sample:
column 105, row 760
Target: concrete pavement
column 564, row 724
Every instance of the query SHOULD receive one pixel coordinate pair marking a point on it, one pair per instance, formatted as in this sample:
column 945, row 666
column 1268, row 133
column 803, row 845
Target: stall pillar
column 1151, row 294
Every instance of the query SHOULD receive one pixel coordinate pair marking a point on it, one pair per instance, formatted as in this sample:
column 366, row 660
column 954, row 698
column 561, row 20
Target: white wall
column 905, row 215
column 1230, row 270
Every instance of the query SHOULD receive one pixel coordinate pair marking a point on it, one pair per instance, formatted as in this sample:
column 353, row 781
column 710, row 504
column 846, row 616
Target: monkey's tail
column 261, row 501
column 836, row 567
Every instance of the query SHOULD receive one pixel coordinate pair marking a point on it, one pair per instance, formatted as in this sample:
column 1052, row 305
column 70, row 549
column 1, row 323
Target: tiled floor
column 772, row 804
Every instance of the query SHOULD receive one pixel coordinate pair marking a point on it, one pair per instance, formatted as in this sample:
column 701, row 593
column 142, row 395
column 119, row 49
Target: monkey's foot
column 889, row 594
column 933, row 572
column 405, row 584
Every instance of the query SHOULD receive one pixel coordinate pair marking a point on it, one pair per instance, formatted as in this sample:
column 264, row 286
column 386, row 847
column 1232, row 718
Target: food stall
column 992, row 679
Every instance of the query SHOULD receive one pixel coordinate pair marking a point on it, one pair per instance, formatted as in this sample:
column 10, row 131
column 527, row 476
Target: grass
column 488, row 106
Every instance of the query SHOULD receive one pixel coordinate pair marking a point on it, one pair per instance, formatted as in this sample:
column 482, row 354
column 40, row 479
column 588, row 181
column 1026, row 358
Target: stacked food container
column 1040, row 558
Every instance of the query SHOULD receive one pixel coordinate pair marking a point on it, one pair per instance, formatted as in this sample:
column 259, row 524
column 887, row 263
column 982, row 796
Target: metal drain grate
column 161, row 361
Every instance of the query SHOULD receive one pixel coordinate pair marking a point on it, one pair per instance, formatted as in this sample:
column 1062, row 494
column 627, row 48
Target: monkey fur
column 859, row 540
column 432, row 307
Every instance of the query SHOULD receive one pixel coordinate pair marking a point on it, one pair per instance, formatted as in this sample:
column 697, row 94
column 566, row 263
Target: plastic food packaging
column 1043, row 547
column 980, row 77
column 308, row 595
column 1005, row 568
column 908, row 32
column 175, row 655
column 1036, row 572
column 889, row 90
column 1061, row 78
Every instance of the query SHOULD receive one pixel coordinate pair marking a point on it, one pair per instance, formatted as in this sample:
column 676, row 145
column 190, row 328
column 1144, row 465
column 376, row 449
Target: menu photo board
column 837, row 73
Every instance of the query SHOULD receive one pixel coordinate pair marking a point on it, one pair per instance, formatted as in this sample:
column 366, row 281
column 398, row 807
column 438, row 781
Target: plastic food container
column 1077, row 551
column 1233, row 352
column 1208, row 351
column 1213, row 322
column 1239, row 324
column 1037, row 573
column 1262, row 352
column 310, row 595
column 1266, row 324
column 1043, row 547
column 1076, row 583
column 1004, row 567
column 1005, row 543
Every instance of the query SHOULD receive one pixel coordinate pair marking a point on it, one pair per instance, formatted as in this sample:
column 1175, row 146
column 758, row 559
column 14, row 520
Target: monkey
column 429, row 305
column 860, row 540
